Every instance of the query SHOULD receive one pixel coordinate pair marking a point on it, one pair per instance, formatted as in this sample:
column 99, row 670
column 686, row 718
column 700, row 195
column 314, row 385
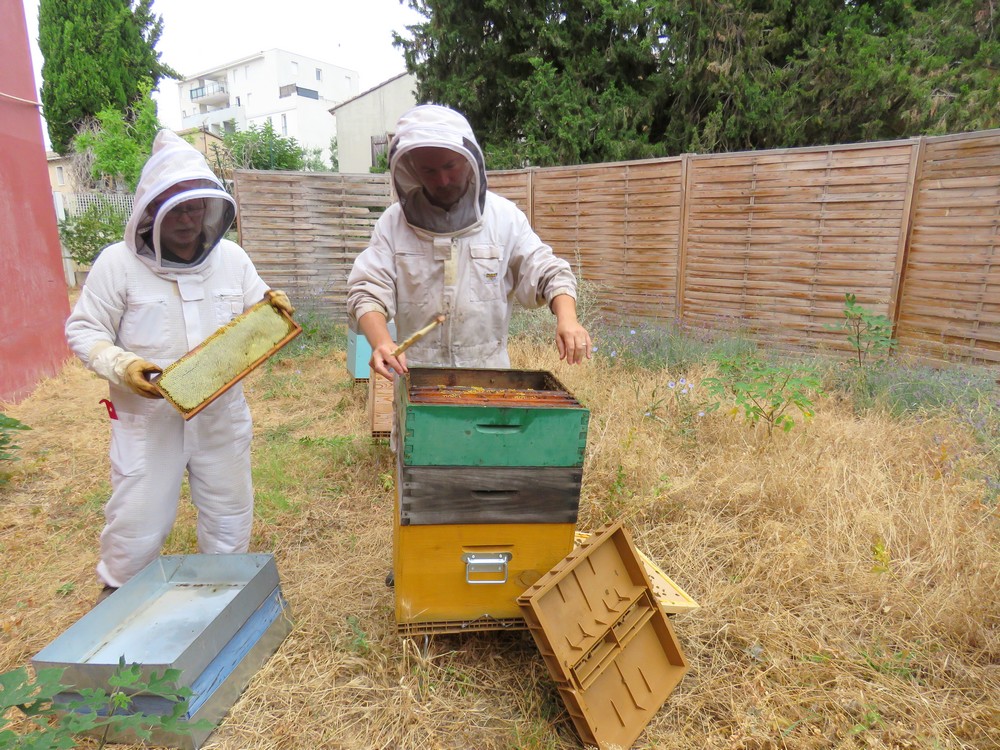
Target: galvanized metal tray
column 216, row 618
column 177, row 613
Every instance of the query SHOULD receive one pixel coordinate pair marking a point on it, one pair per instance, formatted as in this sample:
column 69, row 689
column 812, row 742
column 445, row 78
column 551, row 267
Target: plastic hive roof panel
column 605, row 639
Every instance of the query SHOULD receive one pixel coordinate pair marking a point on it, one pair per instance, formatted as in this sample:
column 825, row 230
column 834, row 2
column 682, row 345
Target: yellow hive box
column 452, row 578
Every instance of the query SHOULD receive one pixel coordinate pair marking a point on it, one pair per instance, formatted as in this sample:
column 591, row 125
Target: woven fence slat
column 772, row 240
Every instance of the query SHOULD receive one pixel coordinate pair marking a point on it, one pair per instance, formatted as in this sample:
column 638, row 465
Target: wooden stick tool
column 414, row 338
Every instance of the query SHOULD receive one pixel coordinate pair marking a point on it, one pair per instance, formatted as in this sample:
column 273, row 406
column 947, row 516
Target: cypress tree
column 97, row 55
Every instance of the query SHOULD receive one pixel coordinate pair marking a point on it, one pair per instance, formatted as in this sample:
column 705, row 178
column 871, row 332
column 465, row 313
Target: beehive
column 379, row 405
column 489, row 468
column 359, row 353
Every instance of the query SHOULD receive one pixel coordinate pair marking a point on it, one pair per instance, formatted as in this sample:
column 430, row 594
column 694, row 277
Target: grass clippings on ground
column 847, row 571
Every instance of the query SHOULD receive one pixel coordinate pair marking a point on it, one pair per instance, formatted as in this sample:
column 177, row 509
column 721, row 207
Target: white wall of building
column 371, row 114
column 294, row 92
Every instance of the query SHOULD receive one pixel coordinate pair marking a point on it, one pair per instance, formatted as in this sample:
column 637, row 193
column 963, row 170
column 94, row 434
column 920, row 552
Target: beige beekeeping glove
column 279, row 300
column 137, row 375
column 123, row 368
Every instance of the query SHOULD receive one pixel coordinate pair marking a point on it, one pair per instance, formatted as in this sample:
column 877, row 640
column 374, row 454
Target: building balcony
column 211, row 92
column 216, row 120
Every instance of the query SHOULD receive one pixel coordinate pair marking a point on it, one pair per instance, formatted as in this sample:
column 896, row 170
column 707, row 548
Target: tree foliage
column 97, row 55
column 86, row 234
column 257, row 147
column 117, row 145
column 575, row 81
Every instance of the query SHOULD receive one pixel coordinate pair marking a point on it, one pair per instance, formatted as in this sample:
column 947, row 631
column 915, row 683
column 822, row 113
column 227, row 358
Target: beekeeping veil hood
column 175, row 166
column 440, row 127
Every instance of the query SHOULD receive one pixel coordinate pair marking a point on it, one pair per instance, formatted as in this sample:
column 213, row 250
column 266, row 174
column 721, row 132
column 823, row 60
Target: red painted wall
column 33, row 297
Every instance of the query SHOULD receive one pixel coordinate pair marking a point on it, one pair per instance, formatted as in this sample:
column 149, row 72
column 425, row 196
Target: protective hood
column 176, row 166
column 437, row 126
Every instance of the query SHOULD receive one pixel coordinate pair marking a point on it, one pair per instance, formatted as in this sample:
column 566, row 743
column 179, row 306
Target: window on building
column 295, row 68
column 284, row 124
column 237, row 101
column 319, row 74
column 60, row 176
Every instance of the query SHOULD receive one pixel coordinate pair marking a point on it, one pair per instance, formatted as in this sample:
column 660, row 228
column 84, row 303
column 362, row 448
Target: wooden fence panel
column 514, row 185
column 775, row 239
column 303, row 230
column 950, row 302
column 770, row 240
column 618, row 224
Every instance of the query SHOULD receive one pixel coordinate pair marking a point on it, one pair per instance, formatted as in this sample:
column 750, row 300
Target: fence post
column 682, row 230
column 530, row 189
column 903, row 249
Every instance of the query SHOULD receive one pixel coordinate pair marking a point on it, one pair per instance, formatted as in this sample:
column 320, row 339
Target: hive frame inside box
column 432, row 591
column 216, row 618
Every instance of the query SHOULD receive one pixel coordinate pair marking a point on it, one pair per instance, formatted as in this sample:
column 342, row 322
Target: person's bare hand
column 384, row 363
column 573, row 342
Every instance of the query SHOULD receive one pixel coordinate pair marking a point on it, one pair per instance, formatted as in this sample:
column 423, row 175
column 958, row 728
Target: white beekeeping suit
column 141, row 303
column 469, row 262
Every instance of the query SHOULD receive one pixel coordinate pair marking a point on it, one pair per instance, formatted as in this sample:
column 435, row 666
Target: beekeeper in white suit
column 149, row 300
column 451, row 247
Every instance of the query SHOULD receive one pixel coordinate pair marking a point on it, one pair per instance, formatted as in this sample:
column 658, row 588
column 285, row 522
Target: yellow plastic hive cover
column 606, row 641
column 226, row 357
column 672, row 597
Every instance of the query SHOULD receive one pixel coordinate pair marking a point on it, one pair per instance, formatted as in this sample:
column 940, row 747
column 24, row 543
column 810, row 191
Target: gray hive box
column 216, row 618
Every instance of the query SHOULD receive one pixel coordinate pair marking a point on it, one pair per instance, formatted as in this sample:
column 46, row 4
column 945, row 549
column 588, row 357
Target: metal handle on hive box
column 489, row 563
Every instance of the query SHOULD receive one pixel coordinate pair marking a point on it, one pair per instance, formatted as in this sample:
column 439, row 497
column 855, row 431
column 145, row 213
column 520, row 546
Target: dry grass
column 808, row 636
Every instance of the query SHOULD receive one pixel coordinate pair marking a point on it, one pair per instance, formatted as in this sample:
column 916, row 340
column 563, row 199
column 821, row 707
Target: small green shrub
column 85, row 235
column 96, row 712
column 9, row 427
column 765, row 392
column 870, row 335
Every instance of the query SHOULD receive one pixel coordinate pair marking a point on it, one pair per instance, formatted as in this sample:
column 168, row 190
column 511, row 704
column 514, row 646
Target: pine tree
column 97, row 55
column 576, row 81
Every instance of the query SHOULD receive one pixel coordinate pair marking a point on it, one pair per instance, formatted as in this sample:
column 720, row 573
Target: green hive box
column 478, row 417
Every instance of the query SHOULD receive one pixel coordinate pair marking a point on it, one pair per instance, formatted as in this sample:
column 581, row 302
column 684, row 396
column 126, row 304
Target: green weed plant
column 870, row 335
column 764, row 392
column 9, row 427
column 677, row 406
column 56, row 723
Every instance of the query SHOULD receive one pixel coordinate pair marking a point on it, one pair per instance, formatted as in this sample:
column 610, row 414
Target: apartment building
column 293, row 92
